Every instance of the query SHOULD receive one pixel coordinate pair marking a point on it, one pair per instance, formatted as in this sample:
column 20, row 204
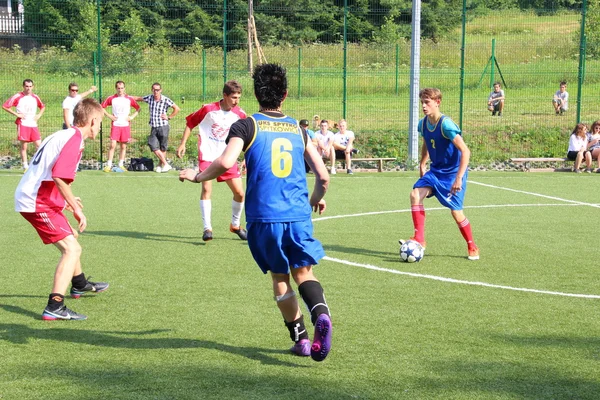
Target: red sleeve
column 68, row 159
column 241, row 113
column 107, row 102
column 12, row 102
column 39, row 102
column 194, row 119
column 134, row 104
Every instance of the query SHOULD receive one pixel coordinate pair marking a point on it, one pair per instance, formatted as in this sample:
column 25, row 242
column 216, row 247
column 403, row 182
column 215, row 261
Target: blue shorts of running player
column 277, row 246
column 441, row 184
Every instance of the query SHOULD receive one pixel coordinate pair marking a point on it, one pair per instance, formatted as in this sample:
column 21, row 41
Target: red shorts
column 52, row 226
column 121, row 134
column 27, row 133
column 231, row 173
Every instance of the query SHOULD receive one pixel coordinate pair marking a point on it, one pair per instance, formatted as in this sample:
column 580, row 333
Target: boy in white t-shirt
column 560, row 101
column 44, row 193
column 343, row 144
column 325, row 143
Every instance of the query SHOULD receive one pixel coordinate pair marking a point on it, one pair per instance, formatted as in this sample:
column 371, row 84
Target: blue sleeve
column 420, row 126
column 450, row 129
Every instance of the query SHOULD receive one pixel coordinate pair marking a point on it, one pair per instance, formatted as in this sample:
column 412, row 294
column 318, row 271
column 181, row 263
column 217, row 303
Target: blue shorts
column 441, row 185
column 278, row 246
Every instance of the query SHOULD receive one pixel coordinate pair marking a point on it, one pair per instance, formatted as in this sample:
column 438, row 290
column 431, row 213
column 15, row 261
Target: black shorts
column 341, row 154
column 572, row 155
column 159, row 138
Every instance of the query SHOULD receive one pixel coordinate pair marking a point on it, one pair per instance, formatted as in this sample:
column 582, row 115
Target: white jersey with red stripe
column 121, row 107
column 213, row 127
column 58, row 157
column 26, row 105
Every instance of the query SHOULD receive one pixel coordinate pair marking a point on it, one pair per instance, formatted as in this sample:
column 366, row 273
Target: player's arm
column 39, row 115
column 64, row 189
column 9, row 110
column 186, row 135
column 132, row 116
column 137, row 98
column 91, row 90
column 350, row 144
column 218, row 166
column 465, row 156
column 176, row 110
column 423, row 160
column 315, row 162
column 109, row 115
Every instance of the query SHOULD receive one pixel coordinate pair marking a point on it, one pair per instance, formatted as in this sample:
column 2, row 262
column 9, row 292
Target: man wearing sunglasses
column 71, row 101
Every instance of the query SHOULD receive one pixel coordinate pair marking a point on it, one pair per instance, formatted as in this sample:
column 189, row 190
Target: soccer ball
column 411, row 251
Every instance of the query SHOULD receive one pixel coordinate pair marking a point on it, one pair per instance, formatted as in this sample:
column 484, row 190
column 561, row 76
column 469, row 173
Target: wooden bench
column 526, row 162
column 380, row 161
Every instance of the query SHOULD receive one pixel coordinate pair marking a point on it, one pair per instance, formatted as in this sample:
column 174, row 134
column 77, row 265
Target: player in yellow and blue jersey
column 447, row 175
column 278, row 206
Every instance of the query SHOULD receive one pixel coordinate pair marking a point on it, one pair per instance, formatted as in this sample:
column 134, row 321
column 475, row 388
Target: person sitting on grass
column 578, row 151
column 561, row 99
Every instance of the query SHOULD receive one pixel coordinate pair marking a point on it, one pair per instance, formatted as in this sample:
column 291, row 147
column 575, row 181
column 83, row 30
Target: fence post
column 224, row 41
column 99, row 51
column 462, row 65
column 203, row 75
column 582, row 49
column 345, row 71
column 299, row 71
column 397, row 65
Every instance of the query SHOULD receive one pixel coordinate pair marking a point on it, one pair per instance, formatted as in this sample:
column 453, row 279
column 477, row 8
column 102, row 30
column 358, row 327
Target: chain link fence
column 349, row 62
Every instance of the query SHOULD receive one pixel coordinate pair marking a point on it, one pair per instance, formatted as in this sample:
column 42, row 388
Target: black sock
column 314, row 298
column 55, row 301
column 79, row 281
column 297, row 329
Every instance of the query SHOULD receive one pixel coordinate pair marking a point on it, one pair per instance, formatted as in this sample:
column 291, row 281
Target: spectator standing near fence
column 71, row 101
column 213, row 122
column 45, row 191
column 496, row 100
column 447, row 175
column 120, row 128
column 561, row 99
column 278, row 206
column 26, row 104
column 158, row 140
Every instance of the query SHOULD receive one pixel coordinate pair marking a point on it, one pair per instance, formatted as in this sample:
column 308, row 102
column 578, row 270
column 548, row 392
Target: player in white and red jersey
column 213, row 122
column 26, row 104
column 120, row 130
column 45, row 191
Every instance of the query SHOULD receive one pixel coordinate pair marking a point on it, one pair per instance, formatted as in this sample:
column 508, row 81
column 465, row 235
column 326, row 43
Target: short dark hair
column 232, row 87
column 563, row 83
column 270, row 85
column 72, row 84
column 157, row 84
column 117, row 82
column 27, row 80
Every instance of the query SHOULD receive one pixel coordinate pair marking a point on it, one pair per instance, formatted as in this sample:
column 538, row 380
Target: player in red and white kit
column 45, row 191
column 120, row 130
column 213, row 121
column 26, row 104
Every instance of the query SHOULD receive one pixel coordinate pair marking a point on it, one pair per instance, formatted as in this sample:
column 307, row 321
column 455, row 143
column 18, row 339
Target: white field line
column 463, row 282
column 451, row 280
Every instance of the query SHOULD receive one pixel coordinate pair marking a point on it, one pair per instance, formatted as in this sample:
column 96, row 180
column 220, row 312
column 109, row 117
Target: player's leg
column 237, row 206
column 23, row 151
column 332, row 160
column 111, row 154
column 348, row 156
column 578, row 161
column 464, row 226
column 206, row 210
column 417, row 210
column 122, row 154
column 312, row 293
column 287, row 302
column 164, row 143
column 588, row 161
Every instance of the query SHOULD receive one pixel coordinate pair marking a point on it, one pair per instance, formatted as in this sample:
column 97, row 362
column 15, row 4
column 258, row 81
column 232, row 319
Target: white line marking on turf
column 444, row 208
column 451, row 280
column 536, row 194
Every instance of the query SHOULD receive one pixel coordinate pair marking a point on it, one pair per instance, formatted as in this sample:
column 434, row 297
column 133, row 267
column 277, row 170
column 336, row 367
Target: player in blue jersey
column 447, row 175
column 278, row 206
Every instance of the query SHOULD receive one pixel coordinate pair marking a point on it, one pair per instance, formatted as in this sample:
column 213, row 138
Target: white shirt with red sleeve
column 58, row 157
column 213, row 127
column 26, row 105
column 121, row 107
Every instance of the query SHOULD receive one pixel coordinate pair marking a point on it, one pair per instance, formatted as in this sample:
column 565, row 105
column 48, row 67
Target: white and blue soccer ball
column 411, row 251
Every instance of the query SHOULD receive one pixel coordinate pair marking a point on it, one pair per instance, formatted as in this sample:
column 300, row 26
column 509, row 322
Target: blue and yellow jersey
column 276, row 189
column 445, row 157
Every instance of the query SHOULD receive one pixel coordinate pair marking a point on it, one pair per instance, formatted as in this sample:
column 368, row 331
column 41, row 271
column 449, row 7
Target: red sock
column 418, row 216
column 465, row 230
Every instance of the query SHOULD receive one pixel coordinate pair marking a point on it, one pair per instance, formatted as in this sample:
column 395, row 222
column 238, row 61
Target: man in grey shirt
column 496, row 100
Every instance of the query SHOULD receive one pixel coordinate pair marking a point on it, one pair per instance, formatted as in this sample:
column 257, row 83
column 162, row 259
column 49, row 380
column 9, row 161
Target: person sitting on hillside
column 561, row 99
column 578, row 144
column 496, row 100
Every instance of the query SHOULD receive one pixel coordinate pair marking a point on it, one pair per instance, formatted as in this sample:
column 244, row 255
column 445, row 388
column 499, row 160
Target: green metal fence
column 345, row 59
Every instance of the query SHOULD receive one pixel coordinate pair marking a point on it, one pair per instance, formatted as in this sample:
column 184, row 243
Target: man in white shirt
column 343, row 145
column 26, row 104
column 120, row 130
column 325, row 143
column 561, row 99
column 71, row 101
